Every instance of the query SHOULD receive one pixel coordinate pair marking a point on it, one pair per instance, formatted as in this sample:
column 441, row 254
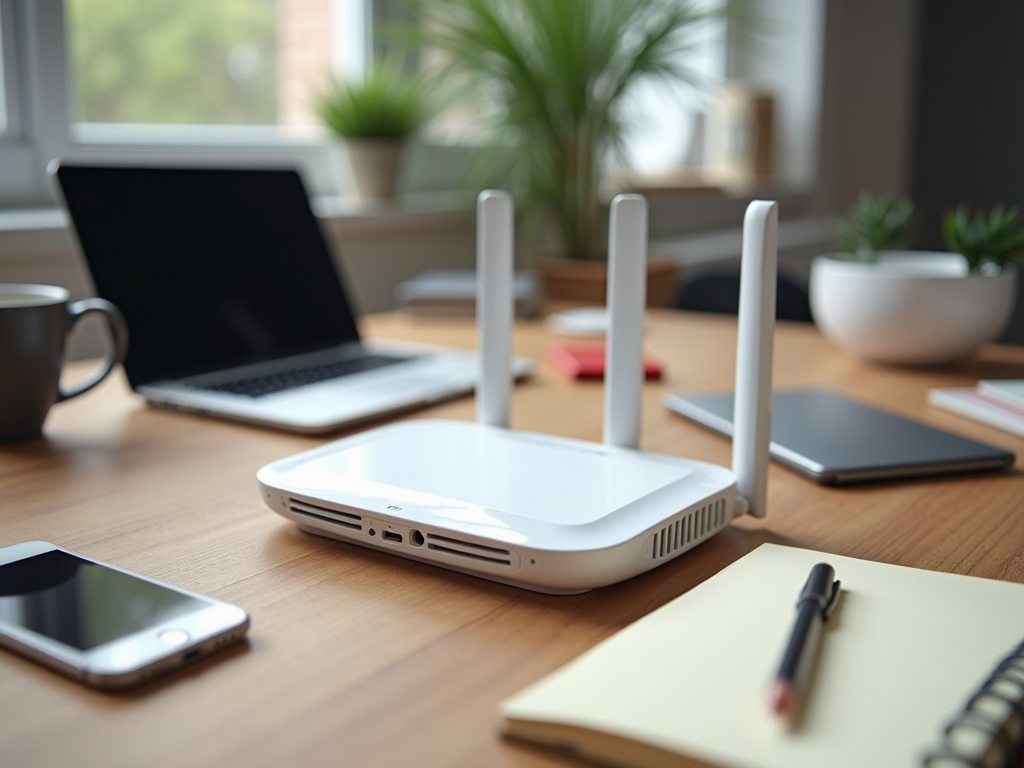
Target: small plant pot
column 911, row 307
column 374, row 165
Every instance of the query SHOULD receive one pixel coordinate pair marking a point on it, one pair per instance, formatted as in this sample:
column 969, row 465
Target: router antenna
column 752, row 408
column 494, row 265
column 627, row 299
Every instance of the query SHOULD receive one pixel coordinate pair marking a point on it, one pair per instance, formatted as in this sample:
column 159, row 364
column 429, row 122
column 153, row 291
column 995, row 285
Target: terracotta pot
column 587, row 281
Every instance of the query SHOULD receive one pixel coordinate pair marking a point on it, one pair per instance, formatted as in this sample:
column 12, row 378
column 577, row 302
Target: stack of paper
column 996, row 402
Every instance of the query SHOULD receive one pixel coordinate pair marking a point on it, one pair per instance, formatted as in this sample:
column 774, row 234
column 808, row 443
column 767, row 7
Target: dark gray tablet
column 835, row 440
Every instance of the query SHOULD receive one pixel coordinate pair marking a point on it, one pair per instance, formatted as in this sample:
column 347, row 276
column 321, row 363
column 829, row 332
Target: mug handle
column 118, row 330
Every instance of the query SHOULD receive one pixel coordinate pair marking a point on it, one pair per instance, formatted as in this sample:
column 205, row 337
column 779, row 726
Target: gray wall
column 969, row 117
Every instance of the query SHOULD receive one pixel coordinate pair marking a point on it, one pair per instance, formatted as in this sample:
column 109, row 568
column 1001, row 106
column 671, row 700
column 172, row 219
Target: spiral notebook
column 902, row 655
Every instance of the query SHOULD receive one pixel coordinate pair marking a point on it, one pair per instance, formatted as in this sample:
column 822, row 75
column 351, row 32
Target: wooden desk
column 360, row 658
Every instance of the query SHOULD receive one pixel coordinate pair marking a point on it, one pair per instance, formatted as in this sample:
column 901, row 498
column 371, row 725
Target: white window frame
column 18, row 178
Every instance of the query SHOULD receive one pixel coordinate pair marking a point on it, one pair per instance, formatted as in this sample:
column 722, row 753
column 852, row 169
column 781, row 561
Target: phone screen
column 83, row 604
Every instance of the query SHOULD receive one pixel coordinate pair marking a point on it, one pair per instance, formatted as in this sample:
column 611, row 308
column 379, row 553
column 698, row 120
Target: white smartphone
column 102, row 625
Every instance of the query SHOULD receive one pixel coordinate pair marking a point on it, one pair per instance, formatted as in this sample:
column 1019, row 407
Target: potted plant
column 916, row 307
column 375, row 117
column 554, row 76
column 874, row 224
column 990, row 242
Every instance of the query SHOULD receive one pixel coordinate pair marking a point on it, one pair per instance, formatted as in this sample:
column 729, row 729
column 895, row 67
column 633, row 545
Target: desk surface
column 359, row 658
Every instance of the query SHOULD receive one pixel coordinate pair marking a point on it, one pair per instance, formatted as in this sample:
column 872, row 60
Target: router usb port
column 392, row 536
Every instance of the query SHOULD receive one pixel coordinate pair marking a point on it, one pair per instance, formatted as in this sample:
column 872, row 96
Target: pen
column 816, row 601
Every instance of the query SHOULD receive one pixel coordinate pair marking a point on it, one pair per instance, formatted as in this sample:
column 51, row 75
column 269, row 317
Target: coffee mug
column 35, row 321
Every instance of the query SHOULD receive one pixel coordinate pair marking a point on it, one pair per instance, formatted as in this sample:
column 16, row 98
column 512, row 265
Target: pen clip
column 833, row 599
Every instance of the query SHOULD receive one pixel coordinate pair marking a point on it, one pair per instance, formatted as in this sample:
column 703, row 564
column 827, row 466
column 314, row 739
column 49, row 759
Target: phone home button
column 173, row 637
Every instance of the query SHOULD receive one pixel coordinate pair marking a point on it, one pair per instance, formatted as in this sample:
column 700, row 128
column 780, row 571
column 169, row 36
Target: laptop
column 233, row 303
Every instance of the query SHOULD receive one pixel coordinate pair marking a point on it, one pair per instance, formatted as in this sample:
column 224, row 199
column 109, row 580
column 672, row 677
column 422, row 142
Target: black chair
column 720, row 293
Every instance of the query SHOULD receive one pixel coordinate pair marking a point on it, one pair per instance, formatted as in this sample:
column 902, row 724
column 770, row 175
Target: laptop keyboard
column 268, row 384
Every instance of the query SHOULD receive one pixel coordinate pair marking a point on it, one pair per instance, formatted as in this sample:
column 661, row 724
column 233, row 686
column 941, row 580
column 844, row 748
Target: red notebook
column 587, row 361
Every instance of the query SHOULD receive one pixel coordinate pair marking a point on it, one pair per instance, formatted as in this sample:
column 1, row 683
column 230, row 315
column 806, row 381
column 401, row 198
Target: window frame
column 36, row 58
column 18, row 177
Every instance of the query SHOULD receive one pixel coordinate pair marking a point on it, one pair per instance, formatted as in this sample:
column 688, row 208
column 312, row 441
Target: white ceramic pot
column 911, row 307
column 374, row 165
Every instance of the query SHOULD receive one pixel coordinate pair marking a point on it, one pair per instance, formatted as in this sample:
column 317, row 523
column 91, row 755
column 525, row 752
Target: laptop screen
column 211, row 267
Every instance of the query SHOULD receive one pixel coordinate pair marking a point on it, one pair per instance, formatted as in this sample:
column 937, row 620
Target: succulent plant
column 989, row 241
column 873, row 224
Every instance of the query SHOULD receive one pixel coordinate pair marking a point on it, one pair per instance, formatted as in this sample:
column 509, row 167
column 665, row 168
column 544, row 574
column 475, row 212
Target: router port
column 391, row 536
column 416, row 538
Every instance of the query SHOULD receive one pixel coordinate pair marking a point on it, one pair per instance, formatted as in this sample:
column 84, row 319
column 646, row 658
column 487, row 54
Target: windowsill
column 31, row 220
column 407, row 211
column 43, row 230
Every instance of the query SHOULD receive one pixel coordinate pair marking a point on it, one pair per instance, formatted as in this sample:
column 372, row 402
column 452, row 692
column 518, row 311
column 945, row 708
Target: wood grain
column 359, row 658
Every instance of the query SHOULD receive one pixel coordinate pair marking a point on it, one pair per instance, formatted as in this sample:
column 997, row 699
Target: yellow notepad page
column 899, row 657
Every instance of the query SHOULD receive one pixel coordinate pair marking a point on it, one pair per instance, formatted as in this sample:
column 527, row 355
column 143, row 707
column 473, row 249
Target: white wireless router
column 547, row 513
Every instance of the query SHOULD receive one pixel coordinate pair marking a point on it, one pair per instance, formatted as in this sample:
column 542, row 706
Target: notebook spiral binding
column 989, row 731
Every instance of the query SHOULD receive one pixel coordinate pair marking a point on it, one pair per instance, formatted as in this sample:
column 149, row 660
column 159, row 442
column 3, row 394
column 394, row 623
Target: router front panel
column 525, row 508
column 551, row 480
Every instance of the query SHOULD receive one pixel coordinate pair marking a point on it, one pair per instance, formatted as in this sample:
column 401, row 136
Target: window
column 230, row 81
column 106, row 81
column 137, row 63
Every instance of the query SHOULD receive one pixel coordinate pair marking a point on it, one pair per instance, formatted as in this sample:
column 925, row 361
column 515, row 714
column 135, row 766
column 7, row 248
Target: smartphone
column 835, row 440
column 102, row 625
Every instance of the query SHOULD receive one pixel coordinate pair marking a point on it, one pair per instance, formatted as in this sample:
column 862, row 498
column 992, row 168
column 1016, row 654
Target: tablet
column 834, row 440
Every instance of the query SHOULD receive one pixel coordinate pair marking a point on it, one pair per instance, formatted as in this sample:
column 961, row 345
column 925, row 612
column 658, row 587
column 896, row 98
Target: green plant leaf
column 873, row 224
column 991, row 238
column 554, row 74
column 388, row 103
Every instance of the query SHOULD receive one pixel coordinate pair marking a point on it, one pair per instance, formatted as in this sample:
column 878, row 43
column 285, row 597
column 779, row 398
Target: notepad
column 975, row 404
column 1009, row 391
column 900, row 655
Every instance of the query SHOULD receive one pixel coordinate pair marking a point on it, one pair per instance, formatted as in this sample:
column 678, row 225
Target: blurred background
column 910, row 97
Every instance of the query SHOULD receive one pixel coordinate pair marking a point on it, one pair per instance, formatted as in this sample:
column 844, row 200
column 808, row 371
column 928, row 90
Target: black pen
column 816, row 601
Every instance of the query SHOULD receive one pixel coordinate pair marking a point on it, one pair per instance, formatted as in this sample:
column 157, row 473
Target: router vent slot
column 470, row 544
column 333, row 516
column 688, row 529
column 460, row 548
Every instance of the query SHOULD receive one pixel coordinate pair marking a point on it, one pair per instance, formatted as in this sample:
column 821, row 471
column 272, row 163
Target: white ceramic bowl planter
column 911, row 307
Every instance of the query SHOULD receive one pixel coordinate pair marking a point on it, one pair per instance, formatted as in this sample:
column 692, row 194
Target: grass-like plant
column 873, row 224
column 388, row 103
column 989, row 241
column 554, row 74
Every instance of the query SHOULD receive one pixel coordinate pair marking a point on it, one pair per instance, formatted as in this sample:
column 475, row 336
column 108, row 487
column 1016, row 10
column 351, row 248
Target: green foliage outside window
column 180, row 62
